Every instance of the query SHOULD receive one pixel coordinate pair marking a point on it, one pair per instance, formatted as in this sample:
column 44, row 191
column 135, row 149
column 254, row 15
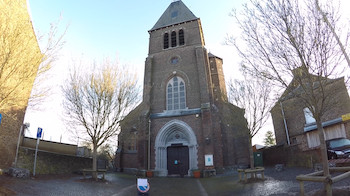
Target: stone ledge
column 209, row 173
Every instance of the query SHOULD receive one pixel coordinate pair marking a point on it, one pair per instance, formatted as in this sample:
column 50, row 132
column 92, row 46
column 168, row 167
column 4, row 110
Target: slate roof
column 176, row 13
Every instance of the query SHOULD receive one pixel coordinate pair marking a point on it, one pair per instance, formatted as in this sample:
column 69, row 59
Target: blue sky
column 115, row 29
column 110, row 27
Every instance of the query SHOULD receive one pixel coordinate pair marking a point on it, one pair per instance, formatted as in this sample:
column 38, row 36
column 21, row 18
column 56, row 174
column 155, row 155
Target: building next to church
column 293, row 122
column 185, row 121
column 20, row 57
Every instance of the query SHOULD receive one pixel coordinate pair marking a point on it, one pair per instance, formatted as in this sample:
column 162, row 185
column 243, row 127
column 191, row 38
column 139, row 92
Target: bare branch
column 96, row 102
column 21, row 59
column 294, row 45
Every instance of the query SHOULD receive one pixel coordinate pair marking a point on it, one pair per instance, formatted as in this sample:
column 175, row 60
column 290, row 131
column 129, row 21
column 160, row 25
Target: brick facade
column 13, row 114
column 209, row 125
column 295, row 119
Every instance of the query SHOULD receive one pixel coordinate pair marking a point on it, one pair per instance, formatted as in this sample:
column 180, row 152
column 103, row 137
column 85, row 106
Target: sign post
column 38, row 136
column 142, row 186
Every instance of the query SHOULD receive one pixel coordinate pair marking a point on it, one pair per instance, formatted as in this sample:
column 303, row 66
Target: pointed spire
column 176, row 13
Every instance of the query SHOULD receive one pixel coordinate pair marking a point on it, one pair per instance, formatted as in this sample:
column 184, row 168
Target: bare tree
column 335, row 34
column 282, row 40
column 253, row 96
column 21, row 59
column 96, row 102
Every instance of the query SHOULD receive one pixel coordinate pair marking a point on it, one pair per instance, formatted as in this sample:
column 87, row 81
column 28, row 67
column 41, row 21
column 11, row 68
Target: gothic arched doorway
column 176, row 149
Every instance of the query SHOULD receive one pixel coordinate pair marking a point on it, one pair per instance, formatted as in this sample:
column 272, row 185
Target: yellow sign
column 345, row 117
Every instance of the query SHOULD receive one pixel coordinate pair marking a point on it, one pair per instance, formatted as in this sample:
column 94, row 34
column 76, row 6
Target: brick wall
column 9, row 131
column 291, row 156
column 193, row 35
column 235, row 135
column 14, row 108
column 51, row 163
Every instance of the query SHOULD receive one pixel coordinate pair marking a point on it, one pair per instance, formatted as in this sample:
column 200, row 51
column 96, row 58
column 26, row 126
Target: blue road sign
column 40, row 131
column 142, row 185
column 0, row 118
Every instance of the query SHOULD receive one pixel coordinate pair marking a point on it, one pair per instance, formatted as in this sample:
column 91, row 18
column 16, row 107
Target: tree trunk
column 323, row 148
column 94, row 162
column 251, row 155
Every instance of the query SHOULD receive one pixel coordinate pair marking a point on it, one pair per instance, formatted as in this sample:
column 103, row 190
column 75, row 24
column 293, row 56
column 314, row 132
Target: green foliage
column 269, row 139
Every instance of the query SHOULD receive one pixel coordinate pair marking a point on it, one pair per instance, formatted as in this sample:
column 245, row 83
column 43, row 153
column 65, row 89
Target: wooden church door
column 178, row 160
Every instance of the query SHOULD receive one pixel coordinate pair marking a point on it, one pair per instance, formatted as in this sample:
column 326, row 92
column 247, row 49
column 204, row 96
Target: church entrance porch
column 178, row 160
column 176, row 149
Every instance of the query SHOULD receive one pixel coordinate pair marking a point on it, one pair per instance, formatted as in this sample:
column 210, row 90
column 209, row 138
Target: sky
column 114, row 29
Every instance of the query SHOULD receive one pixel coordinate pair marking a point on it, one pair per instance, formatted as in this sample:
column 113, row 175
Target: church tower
column 184, row 122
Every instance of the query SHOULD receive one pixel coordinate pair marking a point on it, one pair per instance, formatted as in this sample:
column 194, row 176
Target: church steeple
column 176, row 13
column 184, row 115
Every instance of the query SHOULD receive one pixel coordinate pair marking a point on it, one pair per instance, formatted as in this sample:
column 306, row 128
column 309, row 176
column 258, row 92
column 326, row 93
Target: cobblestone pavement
column 116, row 184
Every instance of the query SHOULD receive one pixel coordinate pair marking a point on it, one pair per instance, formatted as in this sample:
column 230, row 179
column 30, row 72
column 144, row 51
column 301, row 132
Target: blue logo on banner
column 40, row 131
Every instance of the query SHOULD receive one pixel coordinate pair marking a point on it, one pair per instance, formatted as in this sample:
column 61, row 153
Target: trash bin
column 258, row 159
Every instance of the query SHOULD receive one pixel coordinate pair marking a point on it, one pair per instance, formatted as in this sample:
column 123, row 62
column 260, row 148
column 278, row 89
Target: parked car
column 338, row 148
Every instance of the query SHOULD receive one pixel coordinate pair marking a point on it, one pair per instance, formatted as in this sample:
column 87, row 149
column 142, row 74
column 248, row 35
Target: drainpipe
column 285, row 123
column 149, row 146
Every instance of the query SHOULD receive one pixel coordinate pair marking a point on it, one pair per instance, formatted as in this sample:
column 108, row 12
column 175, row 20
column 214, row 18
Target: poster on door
column 209, row 160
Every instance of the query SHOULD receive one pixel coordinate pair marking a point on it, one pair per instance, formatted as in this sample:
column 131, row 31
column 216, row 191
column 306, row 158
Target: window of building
column 173, row 39
column 309, row 118
column 166, row 40
column 176, row 94
column 181, row 37
column 131, row 143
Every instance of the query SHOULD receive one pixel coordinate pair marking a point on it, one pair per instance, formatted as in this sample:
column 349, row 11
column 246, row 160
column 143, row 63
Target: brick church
column 184, row 122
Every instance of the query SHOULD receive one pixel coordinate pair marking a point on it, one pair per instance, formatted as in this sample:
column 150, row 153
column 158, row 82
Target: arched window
column 173, row 39
column 176, row 94
column 181, row 37
column 166, row 40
